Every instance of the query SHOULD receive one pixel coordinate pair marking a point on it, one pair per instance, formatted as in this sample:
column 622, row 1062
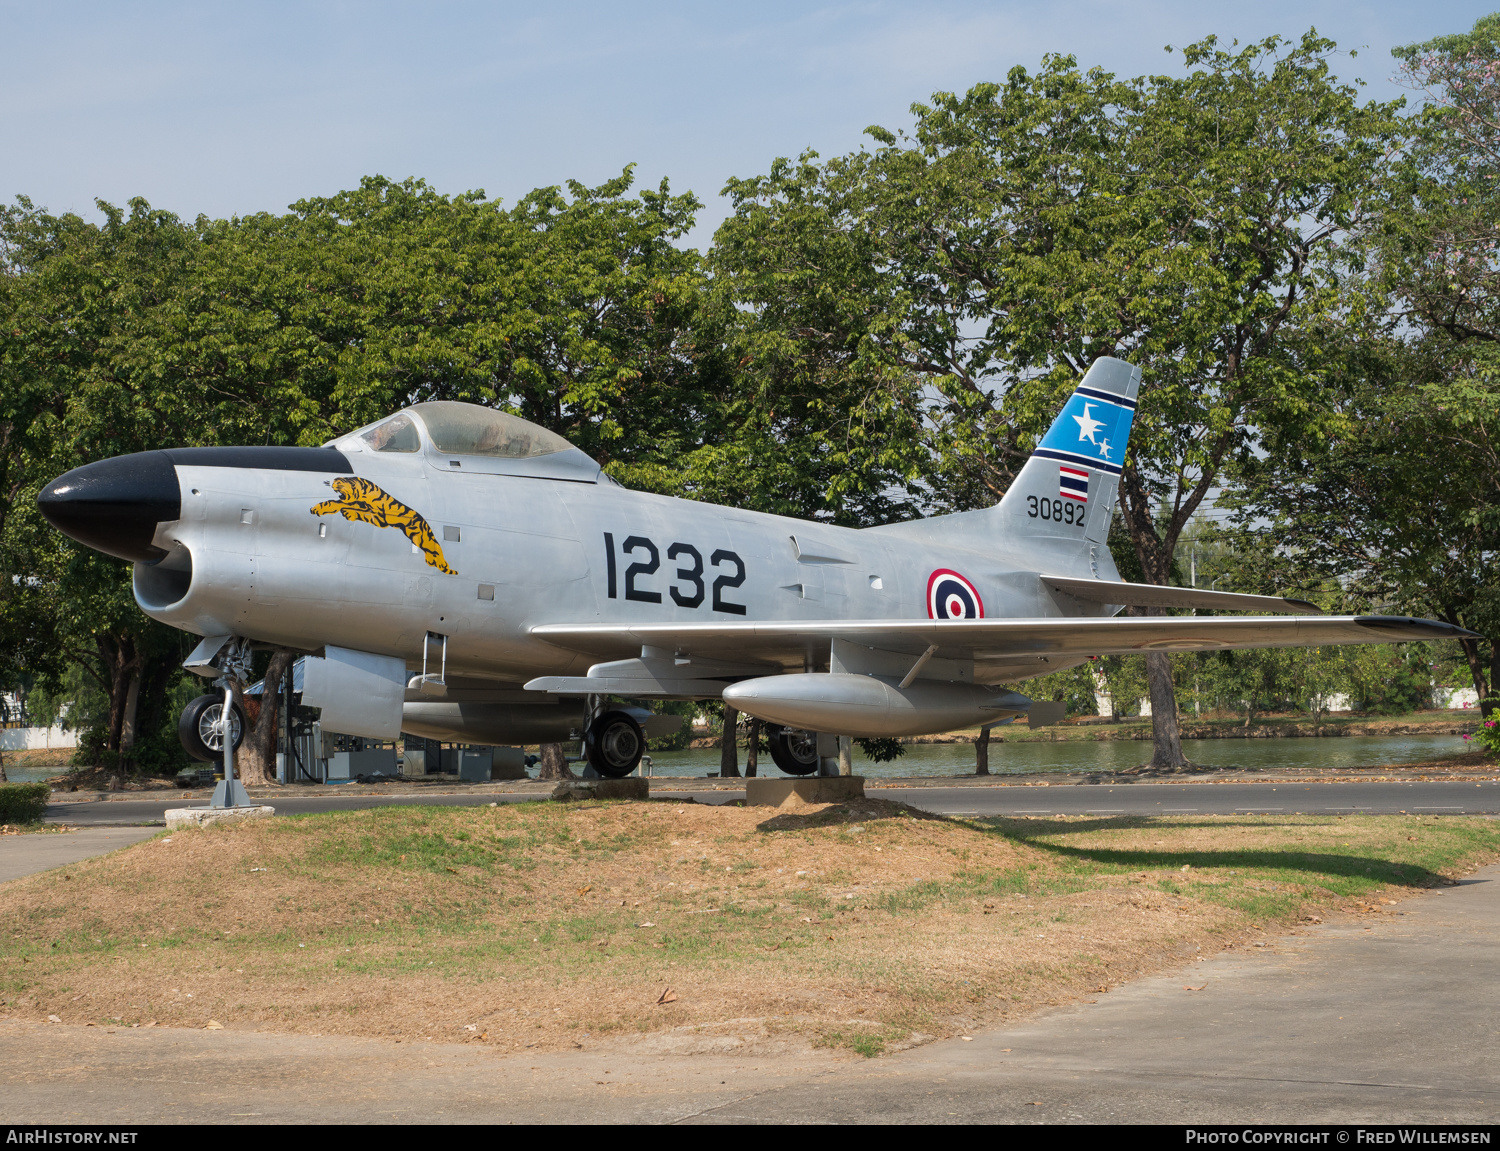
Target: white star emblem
column 1087, row 425
column 1104, row 449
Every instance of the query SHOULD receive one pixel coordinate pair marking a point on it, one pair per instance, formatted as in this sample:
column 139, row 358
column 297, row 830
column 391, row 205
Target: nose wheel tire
column 793, row 750
column 201, row 727
column 613, row 744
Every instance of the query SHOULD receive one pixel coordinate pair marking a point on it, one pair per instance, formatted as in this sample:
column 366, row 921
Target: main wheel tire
column 793, row 750
column 614, row 744
column 198, row 727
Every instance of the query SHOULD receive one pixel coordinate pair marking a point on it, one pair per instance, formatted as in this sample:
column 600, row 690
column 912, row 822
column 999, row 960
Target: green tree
column 145, row 332
column 82, row 315
column 1380, row 506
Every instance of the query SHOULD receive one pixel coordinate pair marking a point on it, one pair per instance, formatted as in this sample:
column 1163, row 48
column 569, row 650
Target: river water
column 940, row 759
column 1112, row 755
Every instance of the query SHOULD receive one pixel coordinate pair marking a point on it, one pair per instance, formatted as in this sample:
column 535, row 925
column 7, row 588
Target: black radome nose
column 113, row 506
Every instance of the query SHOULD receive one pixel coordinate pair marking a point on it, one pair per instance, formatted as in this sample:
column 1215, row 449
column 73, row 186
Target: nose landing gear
column 201, row 728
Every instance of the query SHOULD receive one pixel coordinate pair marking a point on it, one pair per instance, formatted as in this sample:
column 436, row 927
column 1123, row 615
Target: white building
column 37, row 738
column 15, row 737
column 1454, row 697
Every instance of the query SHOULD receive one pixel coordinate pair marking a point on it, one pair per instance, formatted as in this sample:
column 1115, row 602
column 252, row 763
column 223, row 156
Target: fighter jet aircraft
column 455, row 572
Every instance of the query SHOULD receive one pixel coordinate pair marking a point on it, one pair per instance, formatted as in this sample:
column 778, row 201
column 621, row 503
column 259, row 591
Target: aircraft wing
column 1000, row 648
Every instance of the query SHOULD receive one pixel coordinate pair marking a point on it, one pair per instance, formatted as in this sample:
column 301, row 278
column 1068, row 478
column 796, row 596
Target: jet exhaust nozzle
column 868, row 706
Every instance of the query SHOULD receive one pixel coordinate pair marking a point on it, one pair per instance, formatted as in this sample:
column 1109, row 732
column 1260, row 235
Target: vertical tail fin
column 1064, row 497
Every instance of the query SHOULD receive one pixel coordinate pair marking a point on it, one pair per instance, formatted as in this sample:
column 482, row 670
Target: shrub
column 1487, row 738
column 881, row 750
column 90, row 747
column 23, row 802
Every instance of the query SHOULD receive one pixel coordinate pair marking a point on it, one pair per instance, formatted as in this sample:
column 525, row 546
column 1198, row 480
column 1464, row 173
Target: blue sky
column 228, row 109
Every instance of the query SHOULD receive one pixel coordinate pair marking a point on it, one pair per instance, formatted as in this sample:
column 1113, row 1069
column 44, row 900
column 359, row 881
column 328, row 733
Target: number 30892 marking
column 1062, row 511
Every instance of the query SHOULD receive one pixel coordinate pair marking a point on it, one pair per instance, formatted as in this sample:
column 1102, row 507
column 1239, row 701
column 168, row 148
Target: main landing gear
column 201, row 727
column 613, row 744
column 793, row 750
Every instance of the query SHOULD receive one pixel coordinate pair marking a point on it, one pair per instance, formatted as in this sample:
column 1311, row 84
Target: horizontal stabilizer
column 1154, row 595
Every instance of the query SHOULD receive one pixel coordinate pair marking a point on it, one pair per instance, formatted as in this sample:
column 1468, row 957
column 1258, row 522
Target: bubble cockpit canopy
column 482, row 435
column 467, row 429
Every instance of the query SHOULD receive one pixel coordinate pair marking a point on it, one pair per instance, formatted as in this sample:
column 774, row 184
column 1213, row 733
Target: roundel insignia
column 951, row 596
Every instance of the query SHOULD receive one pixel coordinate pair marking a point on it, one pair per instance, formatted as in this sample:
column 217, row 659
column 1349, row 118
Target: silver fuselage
column 248, row 557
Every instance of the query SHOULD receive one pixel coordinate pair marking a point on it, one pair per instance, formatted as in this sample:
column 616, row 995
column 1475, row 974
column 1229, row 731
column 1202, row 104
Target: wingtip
column 1414, row 628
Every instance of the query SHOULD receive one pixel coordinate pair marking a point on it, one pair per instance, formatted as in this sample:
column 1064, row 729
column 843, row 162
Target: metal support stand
column 592, row 706
column 230, row 792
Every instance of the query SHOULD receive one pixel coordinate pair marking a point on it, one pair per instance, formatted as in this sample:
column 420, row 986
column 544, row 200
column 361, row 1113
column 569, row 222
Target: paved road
column 1388, row 1023
column 23, row 854
column 1436, row 798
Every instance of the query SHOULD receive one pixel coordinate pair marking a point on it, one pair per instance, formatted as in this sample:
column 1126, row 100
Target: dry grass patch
column 866, row 925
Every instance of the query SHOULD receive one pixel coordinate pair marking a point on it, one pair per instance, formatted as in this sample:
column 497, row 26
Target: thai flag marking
column 1073, row 483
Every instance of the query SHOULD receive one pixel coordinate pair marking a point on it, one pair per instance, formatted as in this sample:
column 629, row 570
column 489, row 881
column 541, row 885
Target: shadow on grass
column 856, row 811
column 1325, row 864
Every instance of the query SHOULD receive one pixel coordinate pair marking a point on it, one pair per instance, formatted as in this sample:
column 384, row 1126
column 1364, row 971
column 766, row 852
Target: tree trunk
column 1166, row 734
column 982, row 752
column 729, row 753
column 128, row 727
column 1154, row 547
column 555, row 763
column 123, row 665
column 255, row 762
column 752, row 750
column 118, row 658
column 3, row 779
column 1476, row 667
column 1485, row 710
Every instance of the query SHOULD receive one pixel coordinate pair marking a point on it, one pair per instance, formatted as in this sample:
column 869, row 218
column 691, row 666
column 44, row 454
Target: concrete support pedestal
column 796, row 792
column 631, row 787
column 180, row 817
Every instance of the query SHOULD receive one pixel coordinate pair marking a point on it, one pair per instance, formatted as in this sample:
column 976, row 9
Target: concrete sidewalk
column 23, row 854
column 1395, row 1022
column 1383, row 1024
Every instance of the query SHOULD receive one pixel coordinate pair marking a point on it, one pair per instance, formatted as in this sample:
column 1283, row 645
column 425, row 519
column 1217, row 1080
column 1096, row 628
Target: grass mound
column 868, row 925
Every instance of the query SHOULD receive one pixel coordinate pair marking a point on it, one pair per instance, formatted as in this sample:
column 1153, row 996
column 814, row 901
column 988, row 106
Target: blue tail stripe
column 1075, row 458
column 1107, row 397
